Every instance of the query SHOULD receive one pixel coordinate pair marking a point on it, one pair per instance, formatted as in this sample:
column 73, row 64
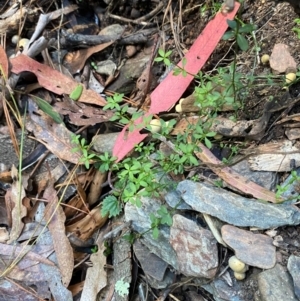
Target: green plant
column 163, row 57
column 283, row 188
column 238, row 30
column 234, row 150
column 82, row 145
column 162, row 217
column 76, row 93
column 297, row 29
column 214, row 92
column 94, row 249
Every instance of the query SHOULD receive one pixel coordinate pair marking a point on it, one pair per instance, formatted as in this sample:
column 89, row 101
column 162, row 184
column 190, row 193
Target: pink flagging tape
column 172, row 87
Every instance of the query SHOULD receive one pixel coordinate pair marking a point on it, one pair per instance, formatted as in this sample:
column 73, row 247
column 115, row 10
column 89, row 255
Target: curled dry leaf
column 55, row 218
column 96, row 276
column 53, row 80
column 3, row 62
column 56, row 137
column 14, row 196
column 75, row 60
column 86, row 226
column 80, row 114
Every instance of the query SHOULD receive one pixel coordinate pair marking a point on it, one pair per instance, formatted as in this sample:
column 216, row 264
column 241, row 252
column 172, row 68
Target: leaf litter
column 43, row 214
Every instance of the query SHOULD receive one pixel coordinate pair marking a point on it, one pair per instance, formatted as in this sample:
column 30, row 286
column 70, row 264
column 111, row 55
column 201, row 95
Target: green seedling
column 297, row 28
column 238, row 32
column 163, row 57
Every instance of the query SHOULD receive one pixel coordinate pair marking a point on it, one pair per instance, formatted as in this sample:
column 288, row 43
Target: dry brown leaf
column 76, row 288
column 86, row 226
column 77, row 202
column 73, row 205
column 223, row 126
column 233, row 178
column 294, row 117
column 34, row 272
column 95, row 187
column 15, row 196
column 56, row 223
column 3, row 62
column 53, row 80
column 96, row 278
column 75, row 60
column 56, row 137
column 80, row 114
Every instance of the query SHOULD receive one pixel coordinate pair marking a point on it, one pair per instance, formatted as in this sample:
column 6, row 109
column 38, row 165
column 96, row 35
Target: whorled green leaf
column 248, row 28
column 232, row 24
column 228, row 35
column 242, row 42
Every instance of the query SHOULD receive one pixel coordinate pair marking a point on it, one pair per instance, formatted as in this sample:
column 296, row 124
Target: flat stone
column 195, row 247
column 161, row 284
column 141, row 223
column 281, row 60
column 276, row 285
column 113, row 29
column 221, row 290
column 265, row 179
column 151, row 264
column 253, row 249
column 235, row 209
column 174, row 200
column 294, row 269
column 129, row 73
column 104, row 142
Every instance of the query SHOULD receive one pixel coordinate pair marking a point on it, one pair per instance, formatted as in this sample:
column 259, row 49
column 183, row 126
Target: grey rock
column 129, row 73
column 174, row 200
column 266, row 179
column 294, row 269
column 195, row 247
column 221, row 290
column 104, row 142
column 107, row 67
column 140, row 222
column 276, row 284
column 253, row 249
column 281, row 59
column 161, row 284
column 113, row 29
column 235, row 209
column 151, row 264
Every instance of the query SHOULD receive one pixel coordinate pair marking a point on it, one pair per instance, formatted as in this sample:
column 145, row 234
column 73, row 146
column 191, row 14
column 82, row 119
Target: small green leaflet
column 47, row 108
column 76, row 93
